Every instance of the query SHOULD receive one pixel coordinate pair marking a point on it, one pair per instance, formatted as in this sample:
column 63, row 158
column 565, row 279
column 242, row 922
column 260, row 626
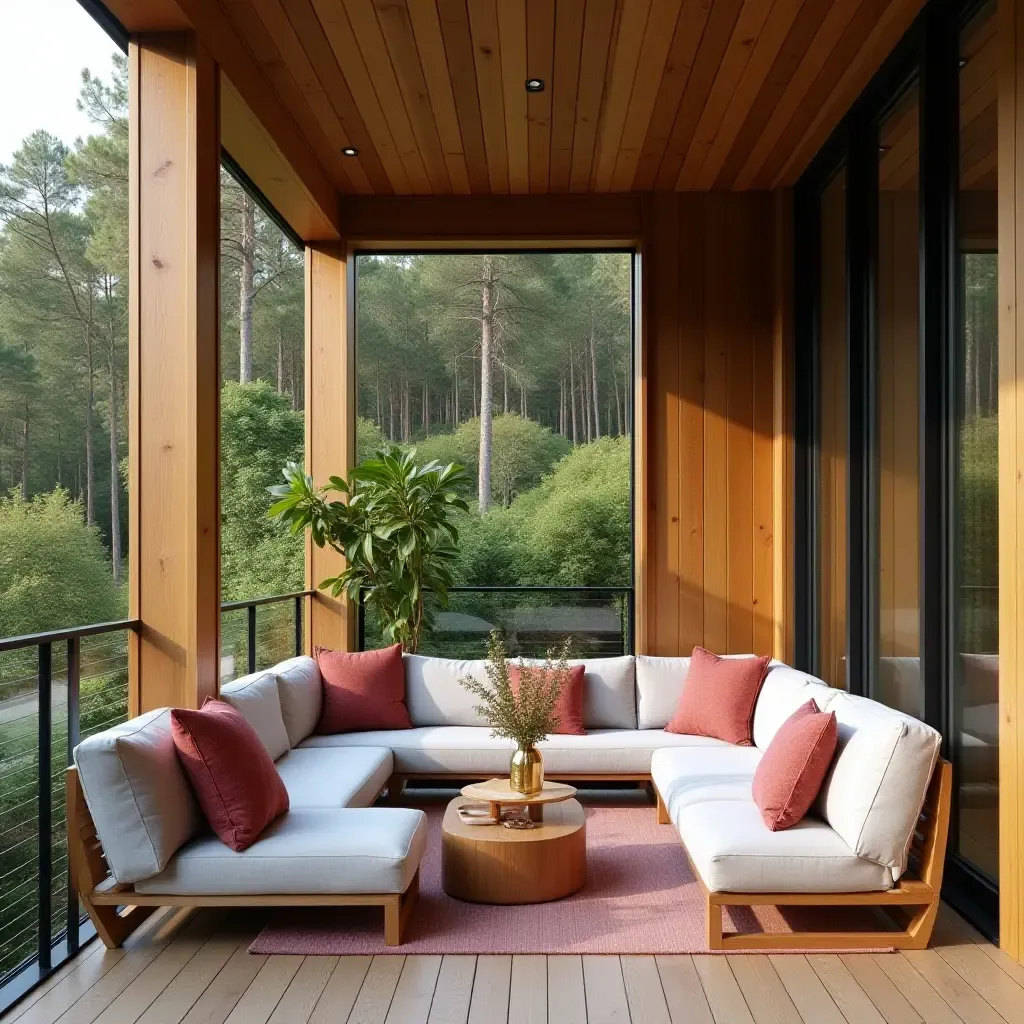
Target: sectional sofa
column 877, row 836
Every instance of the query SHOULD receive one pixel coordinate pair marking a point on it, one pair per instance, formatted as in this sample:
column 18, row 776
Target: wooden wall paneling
column 654, row 51
column 886, row 439
column 483, row 26
column 334, row 21
column 400, row 39
column 598, row 28
column 713, row 43
column 458, row 45
column 678, row 65
column 426, row 28
column 540, row 59
column 174, row 360
column 1011, row 477
column 812, row 59
column 752, row 82
column 330, row 425
column 796, row 47
column 512, row 32
column 364, row 24
column 564, row 87
column 625, row 57
column 644, row 364
column 728, row 79
column 689, row 473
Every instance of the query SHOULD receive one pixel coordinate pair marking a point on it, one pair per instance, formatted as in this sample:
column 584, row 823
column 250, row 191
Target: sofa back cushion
column 301, row 694
column 433, row 693
column 784, row 690
column 873, row 794
column 609, row 691
column 255, row 698
column 138, row 796
column 659, row 685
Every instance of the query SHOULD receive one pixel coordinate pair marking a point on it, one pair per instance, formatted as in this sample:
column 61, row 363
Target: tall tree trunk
column 280, row 360
column 391, row 412
column 618, row 410
column 593, row 377
column 458, row 411
column 561, row 404
column 24, row 456
column 476, row 408
column 90, row 468
column 245, row 289
column 293, row 374
column 522, row 400
column 504, row 371
column 486, row 340
column 572, row 395
column 115, row 490
column 60, row 457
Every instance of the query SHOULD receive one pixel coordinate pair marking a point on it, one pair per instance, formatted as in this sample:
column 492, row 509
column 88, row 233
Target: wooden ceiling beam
column 565, row 84
column 540, row 60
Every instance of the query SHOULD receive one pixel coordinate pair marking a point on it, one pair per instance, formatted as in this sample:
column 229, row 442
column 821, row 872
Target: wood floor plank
column 528, row 992
column 415, row 992
column 888, row 999
column 217, row 1002
column 968, row 1005
column 1003, row 960
column 605, row 990
column 454, row 990
column 644, row 994
column 491, row 985
column 304, row 990
column 377, row 991
column 684, row 993
column 766, row 996
column 805, row 988
column 261, row 998
column 842, row 986
column 723, row 994
column 71, row 987
column 917, row 991
column 74, row 965
column 567, row 998
column 339, row 996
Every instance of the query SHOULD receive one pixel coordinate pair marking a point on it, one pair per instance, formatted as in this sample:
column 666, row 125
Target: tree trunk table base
column 494, row 864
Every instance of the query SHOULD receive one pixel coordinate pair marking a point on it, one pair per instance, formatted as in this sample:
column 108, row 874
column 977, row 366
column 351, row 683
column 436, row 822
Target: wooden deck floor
column 194, row 969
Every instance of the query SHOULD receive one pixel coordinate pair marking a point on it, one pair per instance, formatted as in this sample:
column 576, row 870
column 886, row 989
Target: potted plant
column 395, row 531
column 524, row 714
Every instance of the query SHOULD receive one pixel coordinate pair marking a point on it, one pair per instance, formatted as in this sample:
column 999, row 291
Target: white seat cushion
column 137, row 793
column 873, row 793
column 449, row 750
column 301, row 694
column 335, row 776
column 255, row 699
column 734, row 851
column 686, row 775
column 309, row 850
column 783, row 691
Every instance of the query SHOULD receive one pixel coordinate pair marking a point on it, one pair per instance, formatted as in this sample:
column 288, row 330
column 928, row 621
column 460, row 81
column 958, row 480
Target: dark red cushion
column 794, row 766
column 235, row 781
column 718, row 698
column 362, row 690
column 569, row 707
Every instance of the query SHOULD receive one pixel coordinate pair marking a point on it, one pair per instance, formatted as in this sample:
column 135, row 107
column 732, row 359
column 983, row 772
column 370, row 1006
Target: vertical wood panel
column 540, row 57
column 174, row 364
column 330, row 425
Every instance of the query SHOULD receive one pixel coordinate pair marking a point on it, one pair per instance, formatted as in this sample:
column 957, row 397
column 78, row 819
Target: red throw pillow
column 235, row 781
column 363, row 690
column 719, row 697
column 794, row 766
column 569, row 707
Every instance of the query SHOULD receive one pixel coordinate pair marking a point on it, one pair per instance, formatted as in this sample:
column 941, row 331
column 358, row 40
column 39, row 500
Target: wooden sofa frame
column 913, row 902
column 117, row 910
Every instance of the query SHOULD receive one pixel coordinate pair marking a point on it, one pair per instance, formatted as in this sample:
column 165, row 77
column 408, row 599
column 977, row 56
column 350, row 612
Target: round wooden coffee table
column 499, row 793
column 494, row 864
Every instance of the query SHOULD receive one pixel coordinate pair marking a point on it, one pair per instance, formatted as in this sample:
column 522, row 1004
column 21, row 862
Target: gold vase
column 526, row 771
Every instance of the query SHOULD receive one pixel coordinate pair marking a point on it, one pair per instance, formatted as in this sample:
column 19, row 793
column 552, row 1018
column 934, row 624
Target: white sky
column 44, row 44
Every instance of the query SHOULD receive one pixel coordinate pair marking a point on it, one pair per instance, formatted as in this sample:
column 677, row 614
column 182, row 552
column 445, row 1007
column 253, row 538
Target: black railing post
column 252, row 637
column 45, row 803
column 298, row 626
column 74, row 733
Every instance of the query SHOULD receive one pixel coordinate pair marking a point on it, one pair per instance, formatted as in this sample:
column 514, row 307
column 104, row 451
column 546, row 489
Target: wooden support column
column 174, row 370
column 330, row 424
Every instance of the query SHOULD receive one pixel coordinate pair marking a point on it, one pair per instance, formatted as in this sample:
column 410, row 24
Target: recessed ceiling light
column 350, row 151
column 535, row 85
column 884, row 149
column 963, row 62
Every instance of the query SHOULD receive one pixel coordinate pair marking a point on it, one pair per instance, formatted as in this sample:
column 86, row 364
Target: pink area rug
column 640, row 897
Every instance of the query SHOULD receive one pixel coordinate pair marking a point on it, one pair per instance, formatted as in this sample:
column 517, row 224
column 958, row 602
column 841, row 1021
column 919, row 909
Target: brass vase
column 526, row 771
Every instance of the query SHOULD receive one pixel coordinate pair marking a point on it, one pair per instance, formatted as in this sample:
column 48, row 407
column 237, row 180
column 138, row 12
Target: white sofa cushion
column 733, row 851
column 137, row 793
column 609, row 692
column 309, row 850
column 659, row 685
column 335, row 776
column 300, row 691
column 873, row 793
column 685, row 775
column 433, row 693
column 451, row 750
column 783, row 691
column 255, row 699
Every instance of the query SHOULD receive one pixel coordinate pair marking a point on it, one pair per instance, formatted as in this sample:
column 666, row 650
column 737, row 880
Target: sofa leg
column 398, row 910
column 663, row 818
column 396, row 788
column 713, row 924
column 113, row 928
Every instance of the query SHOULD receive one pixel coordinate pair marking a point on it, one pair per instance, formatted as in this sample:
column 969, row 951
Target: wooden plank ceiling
column 638, row 95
